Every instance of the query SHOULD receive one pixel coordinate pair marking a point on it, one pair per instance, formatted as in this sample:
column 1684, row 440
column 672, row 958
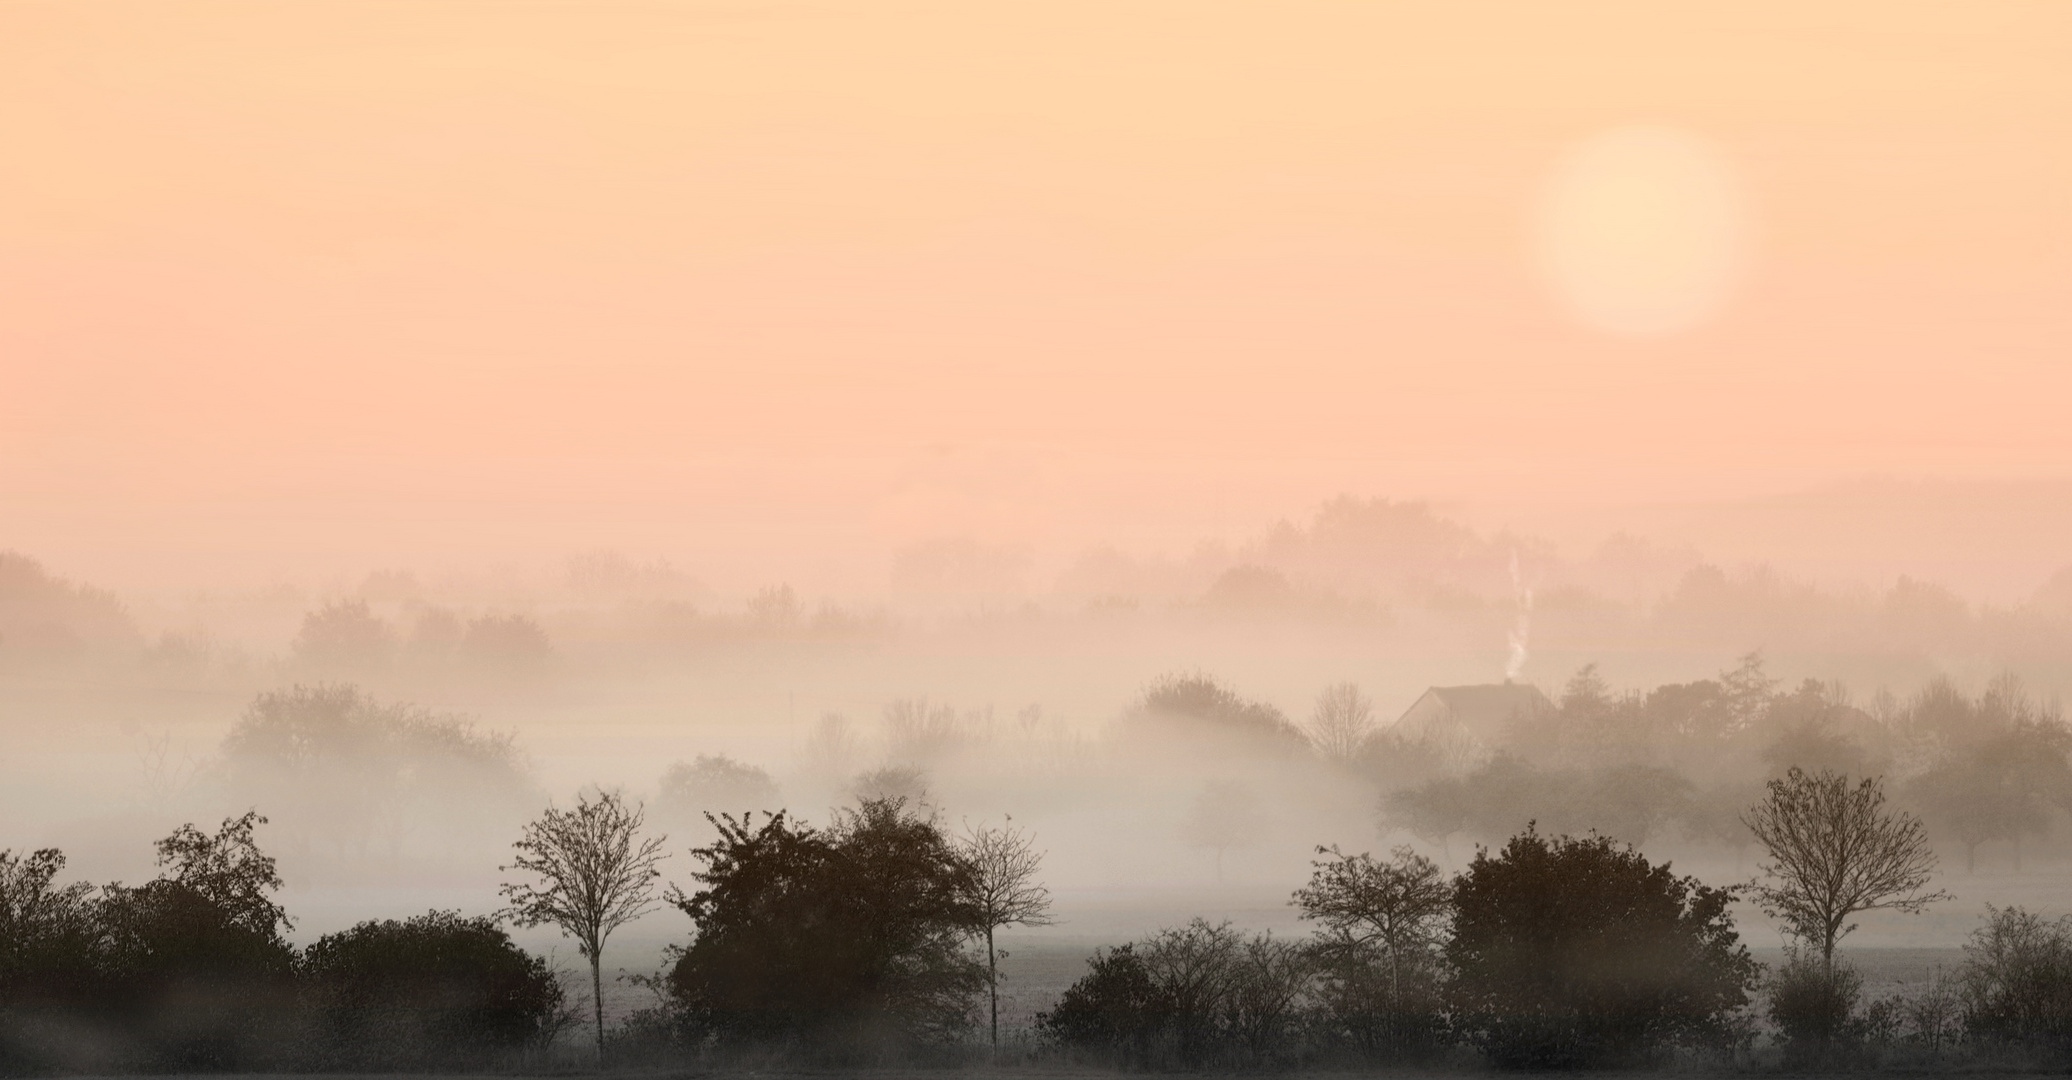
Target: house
column 1471, row 722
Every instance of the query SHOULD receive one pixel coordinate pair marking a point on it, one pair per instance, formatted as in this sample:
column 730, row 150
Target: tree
column 1002, row 891
column 229, row 872
column 1577, row 951
column 1225, row 814
column 717, row 782
column 1343, row 719
column 841, row 938
column 199, row 956
column 47, row 940
column 595, row 873
column 1835, row 851
column 1364, row 903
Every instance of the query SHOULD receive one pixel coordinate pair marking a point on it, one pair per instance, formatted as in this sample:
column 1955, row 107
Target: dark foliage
column 2017, row 982
column 1115, row 1011
column 437, row 989
column 1815, row 1005
column 1576, row 951
column 846, row 942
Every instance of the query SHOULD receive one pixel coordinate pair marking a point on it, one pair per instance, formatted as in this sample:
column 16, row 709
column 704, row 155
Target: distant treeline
column 1681, row 761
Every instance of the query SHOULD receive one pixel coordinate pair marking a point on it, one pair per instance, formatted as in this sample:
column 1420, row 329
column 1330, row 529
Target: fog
column 397, row 727
column 1207, row 443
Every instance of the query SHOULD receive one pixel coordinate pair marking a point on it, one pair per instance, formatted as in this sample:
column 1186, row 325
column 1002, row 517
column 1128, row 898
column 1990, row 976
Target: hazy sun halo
column 1642, row 231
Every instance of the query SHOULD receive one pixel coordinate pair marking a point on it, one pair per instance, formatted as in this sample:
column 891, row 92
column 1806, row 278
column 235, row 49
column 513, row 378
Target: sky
column 776, row 288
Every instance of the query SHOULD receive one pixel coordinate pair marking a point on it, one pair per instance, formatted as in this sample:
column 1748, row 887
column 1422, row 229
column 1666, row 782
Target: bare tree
column 1343, row 719
column 1834, row 851
column 1361, row 901
column 1003, row 891
column 595, row 874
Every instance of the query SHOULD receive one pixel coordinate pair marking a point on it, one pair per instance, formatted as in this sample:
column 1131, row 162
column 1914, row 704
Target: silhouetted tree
column 1570, row 951
column 1835, row 851
column 849, row 940
column 1396, row 908
column 198, row 957
column 1001, row 866
column 595, row 874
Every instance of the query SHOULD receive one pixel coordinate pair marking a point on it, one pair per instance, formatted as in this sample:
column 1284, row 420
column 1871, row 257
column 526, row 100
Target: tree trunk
column 993, row 987
column 597, row 1000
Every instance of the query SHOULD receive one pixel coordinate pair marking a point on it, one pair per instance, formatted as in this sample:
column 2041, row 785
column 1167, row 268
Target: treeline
column 193, row 971
column 1680, row 761
column 870, row 940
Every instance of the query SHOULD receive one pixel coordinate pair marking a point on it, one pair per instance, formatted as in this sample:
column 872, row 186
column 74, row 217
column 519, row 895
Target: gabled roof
column 1487, row 707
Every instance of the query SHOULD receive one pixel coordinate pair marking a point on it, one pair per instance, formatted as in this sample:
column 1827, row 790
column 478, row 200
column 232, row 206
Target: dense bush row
column 1555, row 951
column 192, row 971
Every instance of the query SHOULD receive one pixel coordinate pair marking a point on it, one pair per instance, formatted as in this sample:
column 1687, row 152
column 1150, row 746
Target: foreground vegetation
column 870, row 940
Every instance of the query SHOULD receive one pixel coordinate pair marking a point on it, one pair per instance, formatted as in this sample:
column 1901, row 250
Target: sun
column 1642, row 231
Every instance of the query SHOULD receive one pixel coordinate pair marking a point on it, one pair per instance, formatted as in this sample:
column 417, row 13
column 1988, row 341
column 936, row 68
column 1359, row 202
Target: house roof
column 1486, row 707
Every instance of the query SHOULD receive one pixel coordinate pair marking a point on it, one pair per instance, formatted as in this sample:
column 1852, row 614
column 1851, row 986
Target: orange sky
column 331, row 283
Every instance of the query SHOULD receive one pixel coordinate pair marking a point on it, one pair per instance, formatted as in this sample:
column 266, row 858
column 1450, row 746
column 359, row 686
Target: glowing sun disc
column 1642, row 231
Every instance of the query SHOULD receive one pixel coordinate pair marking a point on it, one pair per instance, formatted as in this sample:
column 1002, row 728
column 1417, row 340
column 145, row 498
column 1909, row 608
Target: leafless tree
column 1834, row 851
column 1396, row 904
column 1343, row 719
column 595, row 874
column 1003, row 891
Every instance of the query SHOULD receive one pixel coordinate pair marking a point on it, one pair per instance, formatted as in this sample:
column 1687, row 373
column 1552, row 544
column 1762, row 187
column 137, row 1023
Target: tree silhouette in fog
column 712, row 784
column 1003, row 891
column 594, row 873
column 339, row 766
column 1574, row 951
column 1197, row 707
column 847, row 942
column 1395, row 908
column 1835, row 850
column 344, row 636
column 1224, row 814
column 1341, row 723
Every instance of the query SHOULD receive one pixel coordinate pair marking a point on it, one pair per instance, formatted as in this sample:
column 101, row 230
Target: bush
column 1815, row 1008
column 2017, row 981
column 1578, row 952
column 1115, row 1011
column 437, row 989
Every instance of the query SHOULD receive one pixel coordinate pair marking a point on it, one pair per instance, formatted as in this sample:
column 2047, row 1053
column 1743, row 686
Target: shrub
column 1573, row 952
column 437, row 989
column 1115, row 1011
column 1815, row 1008
column 1190, row 997
column 2017, row 981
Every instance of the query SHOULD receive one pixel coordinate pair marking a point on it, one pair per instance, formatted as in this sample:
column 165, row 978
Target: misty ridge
column 1366, row 566
column 1169, row 749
